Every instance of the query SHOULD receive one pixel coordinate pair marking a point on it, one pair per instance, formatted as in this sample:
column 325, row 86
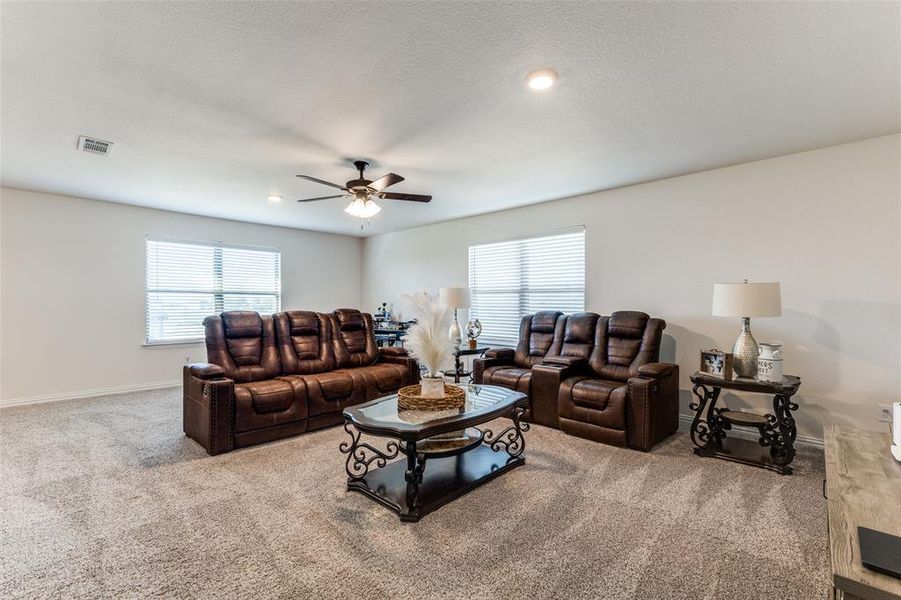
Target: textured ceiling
column 212, row 106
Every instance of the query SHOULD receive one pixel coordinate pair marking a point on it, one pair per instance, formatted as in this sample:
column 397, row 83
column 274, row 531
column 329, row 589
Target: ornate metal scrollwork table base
column 433, row 470
column 775, row 448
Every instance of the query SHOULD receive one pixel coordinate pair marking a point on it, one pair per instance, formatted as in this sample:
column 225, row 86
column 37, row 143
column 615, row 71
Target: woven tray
column 408, row 398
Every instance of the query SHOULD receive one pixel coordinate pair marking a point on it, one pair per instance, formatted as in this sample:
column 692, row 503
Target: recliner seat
column 270, row 377
column 513, row 368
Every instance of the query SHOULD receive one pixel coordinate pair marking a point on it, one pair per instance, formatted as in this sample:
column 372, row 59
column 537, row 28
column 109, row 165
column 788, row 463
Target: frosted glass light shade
column 363, row 209
column 747, row 300
column 454, row 297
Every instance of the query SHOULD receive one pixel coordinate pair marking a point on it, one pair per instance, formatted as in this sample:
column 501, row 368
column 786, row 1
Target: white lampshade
column 747, row 300
column 454, row 297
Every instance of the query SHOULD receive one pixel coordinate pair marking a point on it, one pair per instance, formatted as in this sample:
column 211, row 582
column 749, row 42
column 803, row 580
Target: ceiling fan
column 363, row 191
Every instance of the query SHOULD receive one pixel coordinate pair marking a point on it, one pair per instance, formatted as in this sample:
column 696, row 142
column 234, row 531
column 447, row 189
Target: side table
column 458, row 364
column 775, row 449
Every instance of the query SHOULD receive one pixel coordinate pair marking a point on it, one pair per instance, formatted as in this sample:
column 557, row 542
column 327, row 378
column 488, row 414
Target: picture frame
column 717, row 364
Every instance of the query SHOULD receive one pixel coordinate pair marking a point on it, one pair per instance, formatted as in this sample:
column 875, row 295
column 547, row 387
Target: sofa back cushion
column 536, row 335
column 242, row 342
column 625, row 341
column 353, row 338
column 304, row 342
column 577, row 336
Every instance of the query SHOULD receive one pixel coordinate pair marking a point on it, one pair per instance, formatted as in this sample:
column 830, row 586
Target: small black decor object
column 880, row 551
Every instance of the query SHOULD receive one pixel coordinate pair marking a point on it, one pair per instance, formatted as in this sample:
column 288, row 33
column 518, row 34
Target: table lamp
column 455, row 298
column 746, row 300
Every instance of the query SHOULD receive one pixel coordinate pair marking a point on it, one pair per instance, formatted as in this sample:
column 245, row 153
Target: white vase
column 769, row 362
column 432, row 387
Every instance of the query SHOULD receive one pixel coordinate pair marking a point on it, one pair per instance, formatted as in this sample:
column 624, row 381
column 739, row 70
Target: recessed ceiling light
column 274, row 198
column 542, row 79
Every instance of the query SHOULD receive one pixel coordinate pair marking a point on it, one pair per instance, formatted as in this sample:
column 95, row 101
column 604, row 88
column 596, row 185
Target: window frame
column 218, row 299
column 521, row 298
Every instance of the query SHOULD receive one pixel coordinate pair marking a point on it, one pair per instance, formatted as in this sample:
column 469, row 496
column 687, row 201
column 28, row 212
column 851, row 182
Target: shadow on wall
column 668, row 348
column 815, row 349
column 875, row 319
column 804, row 338
column 683, row 346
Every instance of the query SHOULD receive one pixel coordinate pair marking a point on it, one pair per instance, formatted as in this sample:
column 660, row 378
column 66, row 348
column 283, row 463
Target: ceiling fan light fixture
column 363, row 209
column 274, row 198
column 542, row 79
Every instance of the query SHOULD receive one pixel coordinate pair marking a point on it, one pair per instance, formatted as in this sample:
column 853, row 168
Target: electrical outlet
column 885, row 413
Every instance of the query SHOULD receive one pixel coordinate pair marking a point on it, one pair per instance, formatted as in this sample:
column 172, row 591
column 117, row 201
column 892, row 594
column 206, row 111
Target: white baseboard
column 121, row 389
column 749, row 434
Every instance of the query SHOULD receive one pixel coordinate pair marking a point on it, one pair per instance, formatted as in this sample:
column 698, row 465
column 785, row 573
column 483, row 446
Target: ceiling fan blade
column 382, row 182
column 411, row 197
column 321, row 198
column 334, row 185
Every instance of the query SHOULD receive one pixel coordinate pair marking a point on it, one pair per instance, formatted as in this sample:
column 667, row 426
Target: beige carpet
column 106, row 498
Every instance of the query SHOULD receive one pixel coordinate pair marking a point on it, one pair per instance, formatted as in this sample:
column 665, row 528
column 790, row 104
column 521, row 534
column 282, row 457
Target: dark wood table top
column 470, row 351
column 789, row 384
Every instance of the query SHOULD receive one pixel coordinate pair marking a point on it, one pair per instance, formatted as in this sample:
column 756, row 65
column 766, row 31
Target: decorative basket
column 409, row 398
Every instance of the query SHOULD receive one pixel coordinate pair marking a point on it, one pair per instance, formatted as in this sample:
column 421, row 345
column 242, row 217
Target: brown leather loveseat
column 598, row 378
column 270, row 377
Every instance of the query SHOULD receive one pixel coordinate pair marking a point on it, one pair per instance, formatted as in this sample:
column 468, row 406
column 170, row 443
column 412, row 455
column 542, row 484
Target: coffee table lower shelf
column 443, row 480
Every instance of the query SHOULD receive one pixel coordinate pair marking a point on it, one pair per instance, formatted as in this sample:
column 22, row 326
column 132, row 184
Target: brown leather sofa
column 598, row 378
column 269, row 377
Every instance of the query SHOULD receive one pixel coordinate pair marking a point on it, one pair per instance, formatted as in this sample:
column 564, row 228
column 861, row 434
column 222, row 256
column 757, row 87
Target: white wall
column 825, row 223
column 72, row 301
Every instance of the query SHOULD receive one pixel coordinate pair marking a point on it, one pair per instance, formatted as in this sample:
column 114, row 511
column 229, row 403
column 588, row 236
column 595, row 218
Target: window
column 186, row 281
column 515, row 278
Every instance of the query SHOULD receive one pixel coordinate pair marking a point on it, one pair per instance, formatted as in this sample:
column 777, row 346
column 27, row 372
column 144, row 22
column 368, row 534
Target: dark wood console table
column 775, row 449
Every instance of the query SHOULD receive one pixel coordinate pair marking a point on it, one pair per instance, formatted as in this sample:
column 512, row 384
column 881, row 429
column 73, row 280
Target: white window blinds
column 186, row 281
column 515, row 278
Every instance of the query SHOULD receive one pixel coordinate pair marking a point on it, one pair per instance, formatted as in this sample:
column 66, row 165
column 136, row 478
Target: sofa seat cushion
column 514, row 378
column 267, row 403
column 323, row 392
column 383, row 378
column 594, row 401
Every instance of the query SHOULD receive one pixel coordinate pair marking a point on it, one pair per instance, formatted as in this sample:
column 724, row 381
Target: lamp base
column 456, row 332
column 745, row 351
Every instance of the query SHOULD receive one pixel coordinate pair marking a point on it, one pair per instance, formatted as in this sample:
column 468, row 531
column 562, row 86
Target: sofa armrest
column 208, row 407
column 205, row 371
column 547, row 378
column 657, row 370
column 565, row 361
column 480, row 364
column 505, row 354
column 493, row 357
column 393, row 351
column 652, row 413
column 410, row 363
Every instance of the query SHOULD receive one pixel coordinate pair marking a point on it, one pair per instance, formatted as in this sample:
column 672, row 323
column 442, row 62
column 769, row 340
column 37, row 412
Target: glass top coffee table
column 447, row 453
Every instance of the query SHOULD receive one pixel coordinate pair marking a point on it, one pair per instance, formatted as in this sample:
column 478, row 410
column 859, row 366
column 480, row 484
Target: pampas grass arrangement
column 427, row 341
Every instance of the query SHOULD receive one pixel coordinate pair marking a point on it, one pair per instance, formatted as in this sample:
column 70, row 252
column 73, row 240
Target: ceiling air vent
column 93, row 145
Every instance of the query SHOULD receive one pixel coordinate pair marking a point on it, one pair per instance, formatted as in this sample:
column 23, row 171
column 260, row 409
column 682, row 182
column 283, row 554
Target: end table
column 458, row 364
column 775, row 449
